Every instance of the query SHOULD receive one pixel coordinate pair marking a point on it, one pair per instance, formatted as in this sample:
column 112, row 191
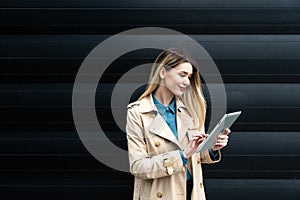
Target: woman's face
column 177, row 79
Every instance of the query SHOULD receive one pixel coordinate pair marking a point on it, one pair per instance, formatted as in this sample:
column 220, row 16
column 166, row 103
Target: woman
column 164, row 129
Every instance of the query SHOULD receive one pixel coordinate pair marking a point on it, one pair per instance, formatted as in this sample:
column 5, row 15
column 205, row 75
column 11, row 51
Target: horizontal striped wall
column 255, row 45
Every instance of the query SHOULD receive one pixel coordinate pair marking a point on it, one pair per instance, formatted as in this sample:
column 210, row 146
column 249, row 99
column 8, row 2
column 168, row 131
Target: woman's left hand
column 222, row 140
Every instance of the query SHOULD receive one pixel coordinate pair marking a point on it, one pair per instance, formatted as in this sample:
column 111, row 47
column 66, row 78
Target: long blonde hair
column 193, row 97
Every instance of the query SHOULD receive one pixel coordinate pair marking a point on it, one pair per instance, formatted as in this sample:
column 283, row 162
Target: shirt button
column 201, row 185
column 198, row 160
column 159, row 195
column 157, row 144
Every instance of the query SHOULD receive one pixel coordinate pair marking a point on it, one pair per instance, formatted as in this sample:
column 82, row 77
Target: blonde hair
column 193, row 97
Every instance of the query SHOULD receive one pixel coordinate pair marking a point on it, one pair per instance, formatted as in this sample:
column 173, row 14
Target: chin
column 179, row 94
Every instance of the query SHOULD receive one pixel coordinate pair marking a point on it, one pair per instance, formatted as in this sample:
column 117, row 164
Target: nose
column 186, row 81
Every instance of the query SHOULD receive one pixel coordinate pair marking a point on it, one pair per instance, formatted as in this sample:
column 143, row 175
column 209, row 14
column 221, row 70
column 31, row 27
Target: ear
column 162, row 73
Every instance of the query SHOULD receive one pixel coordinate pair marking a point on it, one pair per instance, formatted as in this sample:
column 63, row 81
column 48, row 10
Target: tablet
column 226, row 121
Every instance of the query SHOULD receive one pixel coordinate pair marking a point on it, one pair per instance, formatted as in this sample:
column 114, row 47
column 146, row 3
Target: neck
column 163, row 95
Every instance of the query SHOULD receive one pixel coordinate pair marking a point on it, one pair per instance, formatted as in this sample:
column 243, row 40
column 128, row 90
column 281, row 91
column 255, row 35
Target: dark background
column 255, row 44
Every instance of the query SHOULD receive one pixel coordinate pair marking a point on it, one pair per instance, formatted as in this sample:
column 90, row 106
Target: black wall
column 255, row 44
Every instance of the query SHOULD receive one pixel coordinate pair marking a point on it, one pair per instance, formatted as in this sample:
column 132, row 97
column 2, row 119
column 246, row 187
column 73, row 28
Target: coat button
column 157, row 144
column 198, row 161
column 152, row 114
column 159, row 195
column 201, row 185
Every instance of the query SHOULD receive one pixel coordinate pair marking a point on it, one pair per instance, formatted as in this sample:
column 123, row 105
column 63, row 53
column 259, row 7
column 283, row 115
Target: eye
column 185, row 75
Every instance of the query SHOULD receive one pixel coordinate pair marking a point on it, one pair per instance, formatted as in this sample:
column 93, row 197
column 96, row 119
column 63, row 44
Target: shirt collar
column 147, row 104
column 161, row 108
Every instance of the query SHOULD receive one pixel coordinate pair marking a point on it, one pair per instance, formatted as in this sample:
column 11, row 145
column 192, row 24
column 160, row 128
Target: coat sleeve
column 141, row 164
column 206, row 158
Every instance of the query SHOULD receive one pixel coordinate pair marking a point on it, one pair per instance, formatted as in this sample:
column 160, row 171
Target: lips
column 182, row 88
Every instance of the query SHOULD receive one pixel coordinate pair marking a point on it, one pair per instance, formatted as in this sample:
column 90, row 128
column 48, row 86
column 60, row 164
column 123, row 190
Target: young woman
column 164, row 128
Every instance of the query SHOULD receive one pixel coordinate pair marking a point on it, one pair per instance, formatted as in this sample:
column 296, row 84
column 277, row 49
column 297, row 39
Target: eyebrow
column 185, row 72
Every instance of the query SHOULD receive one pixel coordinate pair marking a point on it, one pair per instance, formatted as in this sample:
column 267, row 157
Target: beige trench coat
column 154, row 154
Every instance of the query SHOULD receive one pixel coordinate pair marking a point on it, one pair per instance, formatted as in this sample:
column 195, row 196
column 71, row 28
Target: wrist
column 214, row 155
column 184, row 160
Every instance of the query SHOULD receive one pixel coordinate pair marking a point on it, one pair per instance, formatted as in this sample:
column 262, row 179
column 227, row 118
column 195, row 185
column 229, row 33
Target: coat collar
column 147, row 105
column 160, row 127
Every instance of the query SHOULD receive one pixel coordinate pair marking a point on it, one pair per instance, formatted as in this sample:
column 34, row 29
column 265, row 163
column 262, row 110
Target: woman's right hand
column 192, row 147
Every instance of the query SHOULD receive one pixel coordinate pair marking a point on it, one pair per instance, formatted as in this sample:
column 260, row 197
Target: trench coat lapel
column 184, row 121
column 158, row 125
column 160, row 128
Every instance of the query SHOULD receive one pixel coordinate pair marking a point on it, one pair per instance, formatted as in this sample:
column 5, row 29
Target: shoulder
column 133, row 114
column 133, row 104
column 143, row 105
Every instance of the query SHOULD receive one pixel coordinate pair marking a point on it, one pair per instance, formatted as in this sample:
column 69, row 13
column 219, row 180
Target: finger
column 200, row 134
column 223, row 137
column 199, row 141
column 197, row 136
column 227, row 131
column 220, row 145
column 221, row 141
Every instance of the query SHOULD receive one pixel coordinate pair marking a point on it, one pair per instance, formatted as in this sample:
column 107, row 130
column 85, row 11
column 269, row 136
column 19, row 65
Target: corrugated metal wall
column 255, row 44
